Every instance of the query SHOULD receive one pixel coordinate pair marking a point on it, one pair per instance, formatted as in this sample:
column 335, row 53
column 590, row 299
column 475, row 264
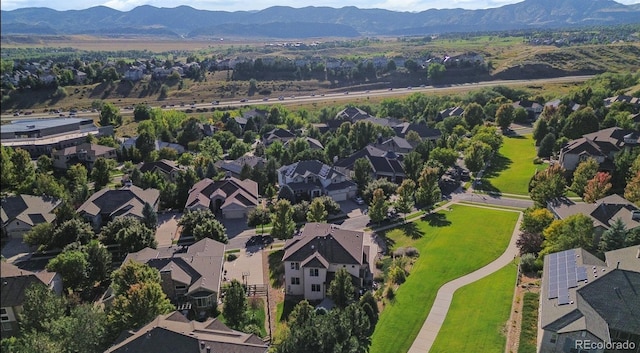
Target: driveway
column 15, row 250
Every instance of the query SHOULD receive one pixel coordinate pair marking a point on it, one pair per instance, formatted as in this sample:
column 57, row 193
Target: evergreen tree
column 614, row 237
column 379, row 206
column 341, row 289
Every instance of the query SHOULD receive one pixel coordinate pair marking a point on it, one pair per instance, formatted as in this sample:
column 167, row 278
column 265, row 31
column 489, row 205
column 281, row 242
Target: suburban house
column 352, row 114
column 128, row 142
column 312, row 258
column 20, row 213
column 604, row 212
column 235, row 166
column 42, row 136
column 634, row 101
column 453, row 111
column 232, row 197
column 313, row 143
column 532, row 108
column 190, row 275
column 85, row 154
column 384, row 164
column 14, row 283
column 425, row 132
column 108, row 204
column 601, row 145
column 312, row 178
column 173, row 332
column 277, row 134
column 395, row 144
column 584, row 298
column 168, row 169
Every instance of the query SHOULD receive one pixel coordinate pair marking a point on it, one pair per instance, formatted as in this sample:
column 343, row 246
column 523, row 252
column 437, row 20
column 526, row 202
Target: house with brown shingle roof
column 86, row 154
column 14, row 283
column 20, row 213
column 189, row 274
column 604, row 212
column 601, row 145
column 173, row 332
column 312, row 258
column 168, row 169
column 108, row 204
column 232, row 197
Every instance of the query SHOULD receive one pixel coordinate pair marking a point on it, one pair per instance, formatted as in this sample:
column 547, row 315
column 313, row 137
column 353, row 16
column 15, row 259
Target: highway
column 318, row 98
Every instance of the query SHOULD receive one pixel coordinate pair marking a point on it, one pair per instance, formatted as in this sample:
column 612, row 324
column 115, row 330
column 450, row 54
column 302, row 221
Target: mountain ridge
column 312, row 21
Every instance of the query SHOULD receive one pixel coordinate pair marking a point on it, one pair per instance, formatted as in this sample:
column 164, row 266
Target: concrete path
column 429, row 331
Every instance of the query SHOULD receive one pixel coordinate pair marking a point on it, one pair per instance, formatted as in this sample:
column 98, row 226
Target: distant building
column 601, row 145
column 312, row 178
column 235, row 166
column 85, row 154
column 232, row 197
column 42, row 136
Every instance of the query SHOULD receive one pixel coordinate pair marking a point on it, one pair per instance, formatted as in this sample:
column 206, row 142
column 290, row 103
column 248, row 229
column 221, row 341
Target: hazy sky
column 234, row 5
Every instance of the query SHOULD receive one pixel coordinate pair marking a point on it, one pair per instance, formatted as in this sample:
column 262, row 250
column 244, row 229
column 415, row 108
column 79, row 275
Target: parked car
column 358, row 200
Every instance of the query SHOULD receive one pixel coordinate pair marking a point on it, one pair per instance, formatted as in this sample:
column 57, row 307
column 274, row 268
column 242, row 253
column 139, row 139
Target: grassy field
column 529, row 331
column 451, row 244
column 477, row 316
column 513, row 167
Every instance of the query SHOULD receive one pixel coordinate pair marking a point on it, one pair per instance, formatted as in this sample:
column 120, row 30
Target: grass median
column 451, row 244
column 478, row 314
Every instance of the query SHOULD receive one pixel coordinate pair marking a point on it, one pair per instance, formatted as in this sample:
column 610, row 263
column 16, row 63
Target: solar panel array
column 563, row 275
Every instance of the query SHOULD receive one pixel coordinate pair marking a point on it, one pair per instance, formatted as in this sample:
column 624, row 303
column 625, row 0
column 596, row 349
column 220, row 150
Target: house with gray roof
column 425, row 132
column 85, row 154
column 396, row 144
column 20, row 213
column 601, row 145
column 108, row 204
column 312, row 258
column 313, row 143
column 533, row 109
column 173, row 332
column 168, row 169
column 278, row 134
column 129, row 142
column 312, row 178
column 235, row 166
column 604, row 212
column 15, row 281
column 584, row 298
column 449, row 112
column 232, row 197
column 384, row 164
column 190, row 275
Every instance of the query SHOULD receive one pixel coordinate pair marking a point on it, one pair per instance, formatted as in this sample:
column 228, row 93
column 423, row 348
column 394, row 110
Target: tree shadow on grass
column 437, row 220
column 499, row 164
column 276, row 268
column 412, row 230
column 517, row 137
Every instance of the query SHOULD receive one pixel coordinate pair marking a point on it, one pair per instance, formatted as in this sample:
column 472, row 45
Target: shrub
column 537, row 160
column 231, row 257
column 412, row 252
column 391, row 294
column 378, row 278
column 379, row 264
column 528, row 263
column 397, row 275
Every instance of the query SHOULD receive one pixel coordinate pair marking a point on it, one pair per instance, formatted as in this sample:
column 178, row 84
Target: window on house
column 295, row 280
column 203, row 301
column 6, row 326
column 314, row 272
column 4, row 316
column 315, row 287
column 554, row 337
column 295, row 265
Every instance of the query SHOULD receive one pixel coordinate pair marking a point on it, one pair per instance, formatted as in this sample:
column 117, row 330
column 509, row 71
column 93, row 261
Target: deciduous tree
column 235, row 305
column 584, row 172
column 282, row 219
column 317, row 212
column 598, row 187
column 341, row 289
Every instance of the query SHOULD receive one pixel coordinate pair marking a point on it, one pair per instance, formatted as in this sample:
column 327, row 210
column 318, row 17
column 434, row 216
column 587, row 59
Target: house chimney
column 618, row 265
column 208, row 349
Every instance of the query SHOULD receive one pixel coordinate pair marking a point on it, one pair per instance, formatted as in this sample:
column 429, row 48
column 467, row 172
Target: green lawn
column 513, row 167
column 529, row 331
column 451, row 244
column 478, row 314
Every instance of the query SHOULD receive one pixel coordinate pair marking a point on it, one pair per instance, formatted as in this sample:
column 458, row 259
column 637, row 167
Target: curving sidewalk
column 429, row 331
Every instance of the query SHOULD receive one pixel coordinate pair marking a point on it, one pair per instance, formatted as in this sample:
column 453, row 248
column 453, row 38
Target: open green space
column 512, row 168
column 529, row 330
column 451, row 244
column 478, row 314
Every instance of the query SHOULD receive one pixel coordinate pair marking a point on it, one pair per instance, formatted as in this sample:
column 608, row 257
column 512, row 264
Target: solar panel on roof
column 581, row 274
column 563, row 301
column 573, row 283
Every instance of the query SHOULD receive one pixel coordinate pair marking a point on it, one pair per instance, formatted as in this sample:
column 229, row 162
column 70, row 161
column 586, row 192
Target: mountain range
column 309, row 22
